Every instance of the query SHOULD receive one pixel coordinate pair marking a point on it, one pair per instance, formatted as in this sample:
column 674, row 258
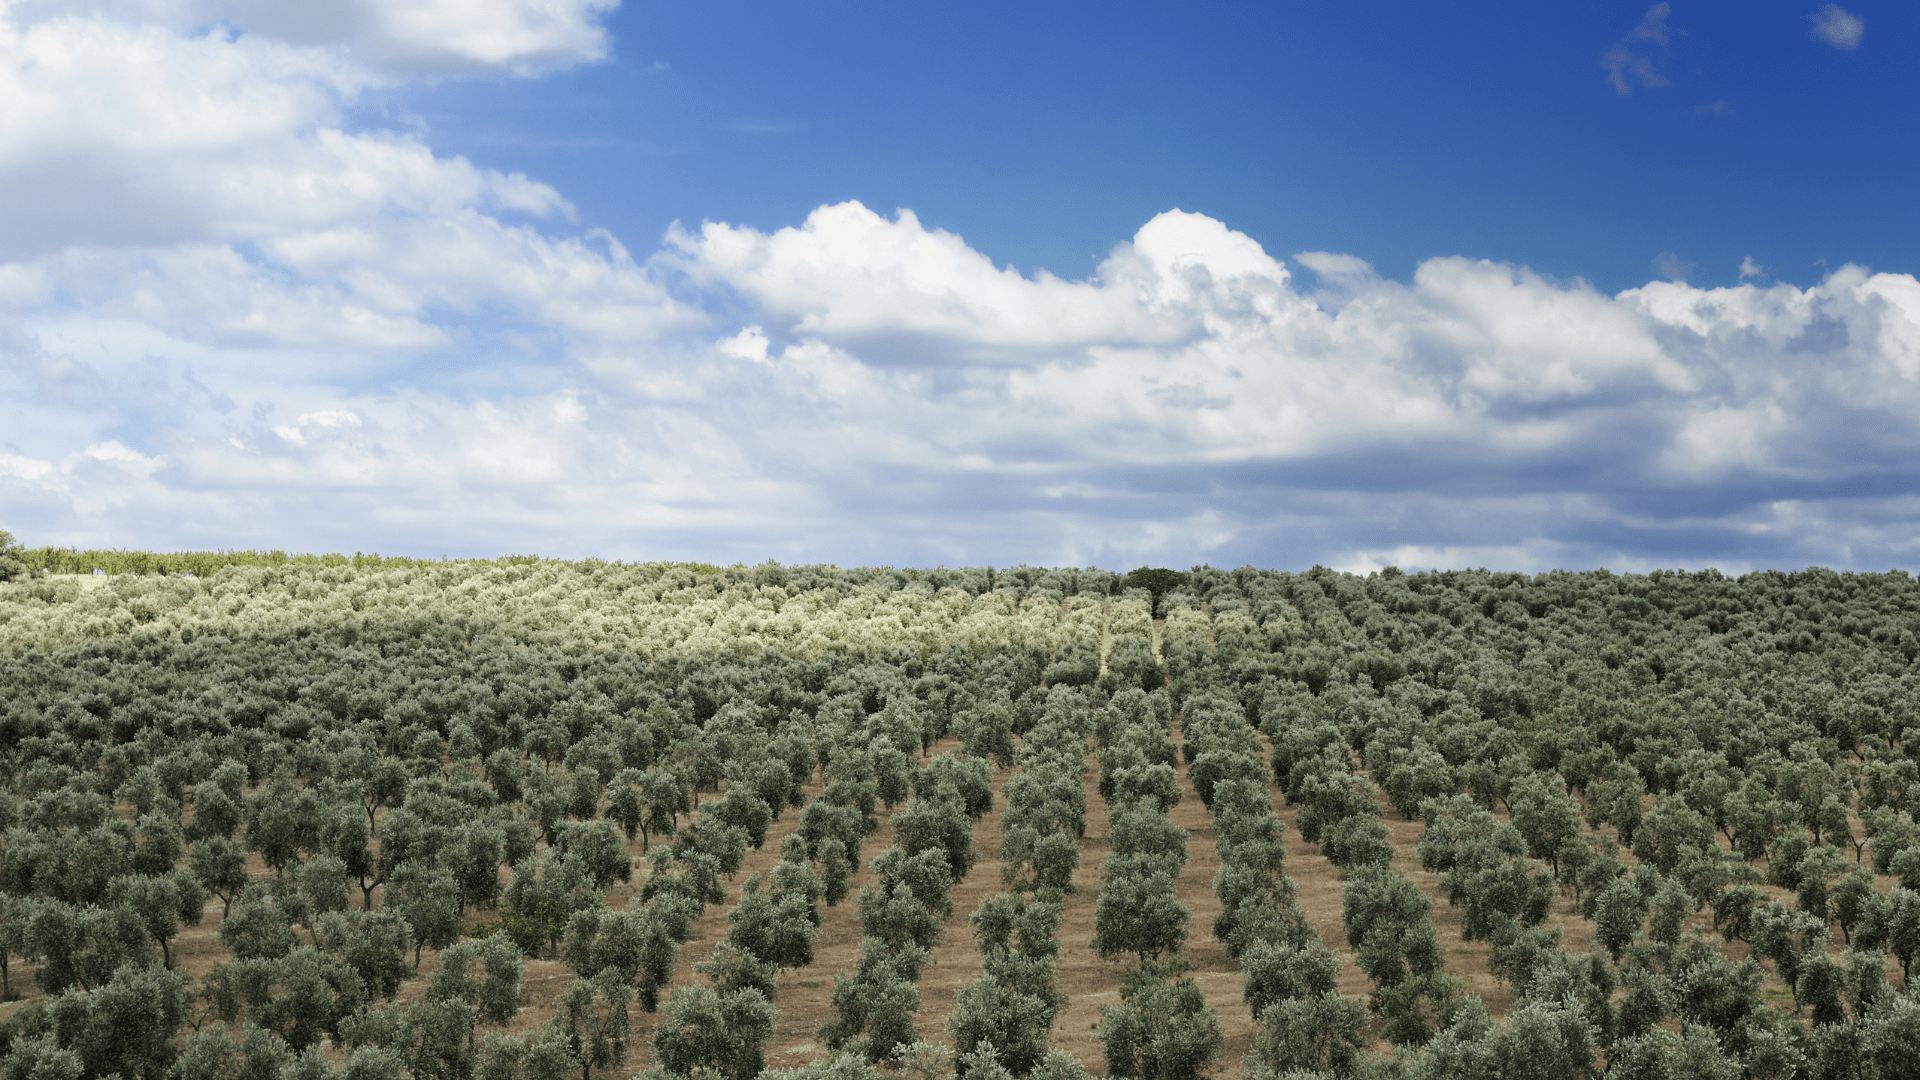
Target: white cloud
column 274, row 329
column 1335, row 268
column 1750, row 269
column 1190, row 365
column 1417, row 557
column 1625, row 65
column 1653, row 25
column 523, row 37
column 1838, row 27
column 848, row 271
column 748, row 344
column 112, row 451
column 119, row 136
column 1713, row 441
column 1673, row 267
column 24, row 468
column 296, row 433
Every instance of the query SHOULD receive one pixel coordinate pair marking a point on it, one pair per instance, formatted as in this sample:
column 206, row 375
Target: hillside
column 269, row 816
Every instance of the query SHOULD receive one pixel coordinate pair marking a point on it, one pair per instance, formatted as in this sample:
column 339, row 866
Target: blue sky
column 1512, row 285
column 1046, row 133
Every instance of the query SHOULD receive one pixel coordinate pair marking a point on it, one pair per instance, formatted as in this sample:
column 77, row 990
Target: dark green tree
column 874, row 1006
column 486, row 975
column 1274, row 971
column 937, row 823
column 722, row 1035
column 1389, row 926
column 1161, row 1030
column 992, row 1013
column 373, row 944
column 125, row 1026
column 82, row 946
column 731, row 969
column 1321, row 1033
column 778, row 928
column 162, row 903
column 299, row 997
column 429, row 899
column 1137, row 912
column 591, row 1016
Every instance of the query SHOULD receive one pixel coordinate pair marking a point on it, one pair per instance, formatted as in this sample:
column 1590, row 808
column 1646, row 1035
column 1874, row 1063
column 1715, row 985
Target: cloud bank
column 229, row 318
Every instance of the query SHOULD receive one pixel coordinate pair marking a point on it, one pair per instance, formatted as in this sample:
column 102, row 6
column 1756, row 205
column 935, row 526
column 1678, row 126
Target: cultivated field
column 521, row 820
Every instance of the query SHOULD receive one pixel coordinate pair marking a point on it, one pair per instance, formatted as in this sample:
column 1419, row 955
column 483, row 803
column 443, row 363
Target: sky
column 1519, row 286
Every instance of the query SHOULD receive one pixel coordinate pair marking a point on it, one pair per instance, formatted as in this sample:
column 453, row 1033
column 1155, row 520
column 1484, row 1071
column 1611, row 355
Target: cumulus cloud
column 1838, row 27
column 1190, row 397
column 202, row 184
column 310, row 335
column 405, row 37
column 858, row 276
column 120, row 137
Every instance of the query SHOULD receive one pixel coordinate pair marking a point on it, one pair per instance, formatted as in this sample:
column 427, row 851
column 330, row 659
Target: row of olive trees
column 1661, row 703
column 1387, row 919
column 1571, row 1000
column 903, row 911
column 1162, row 1027
column 1290, row 978
column 721, row 1029
column 423, row 820
column 1000, row 1023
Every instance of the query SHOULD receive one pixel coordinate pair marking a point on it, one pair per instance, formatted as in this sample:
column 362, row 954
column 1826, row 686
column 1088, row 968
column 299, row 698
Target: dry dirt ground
column 1087, row 981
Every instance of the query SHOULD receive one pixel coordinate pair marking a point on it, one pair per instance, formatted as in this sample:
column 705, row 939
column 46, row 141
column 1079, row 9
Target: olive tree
column 637, row 946
column 1390, row 928
column 429, row 899
column 1318, row 1033
column 937, row 823
column 485, row 974
column 1161, row 1030
column 1275, row 971
column 778, row 928
column 220, row 864
column 592, row 1016
column 163, row 903
column 1037, row 862
column 722, row 1035
column 1019, row 940
column 126, row 1026
column 82, row 946
column 1137, row 912
column 990, row 1012
column 300, row 996
column 874, row 1006
column 731, row 969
